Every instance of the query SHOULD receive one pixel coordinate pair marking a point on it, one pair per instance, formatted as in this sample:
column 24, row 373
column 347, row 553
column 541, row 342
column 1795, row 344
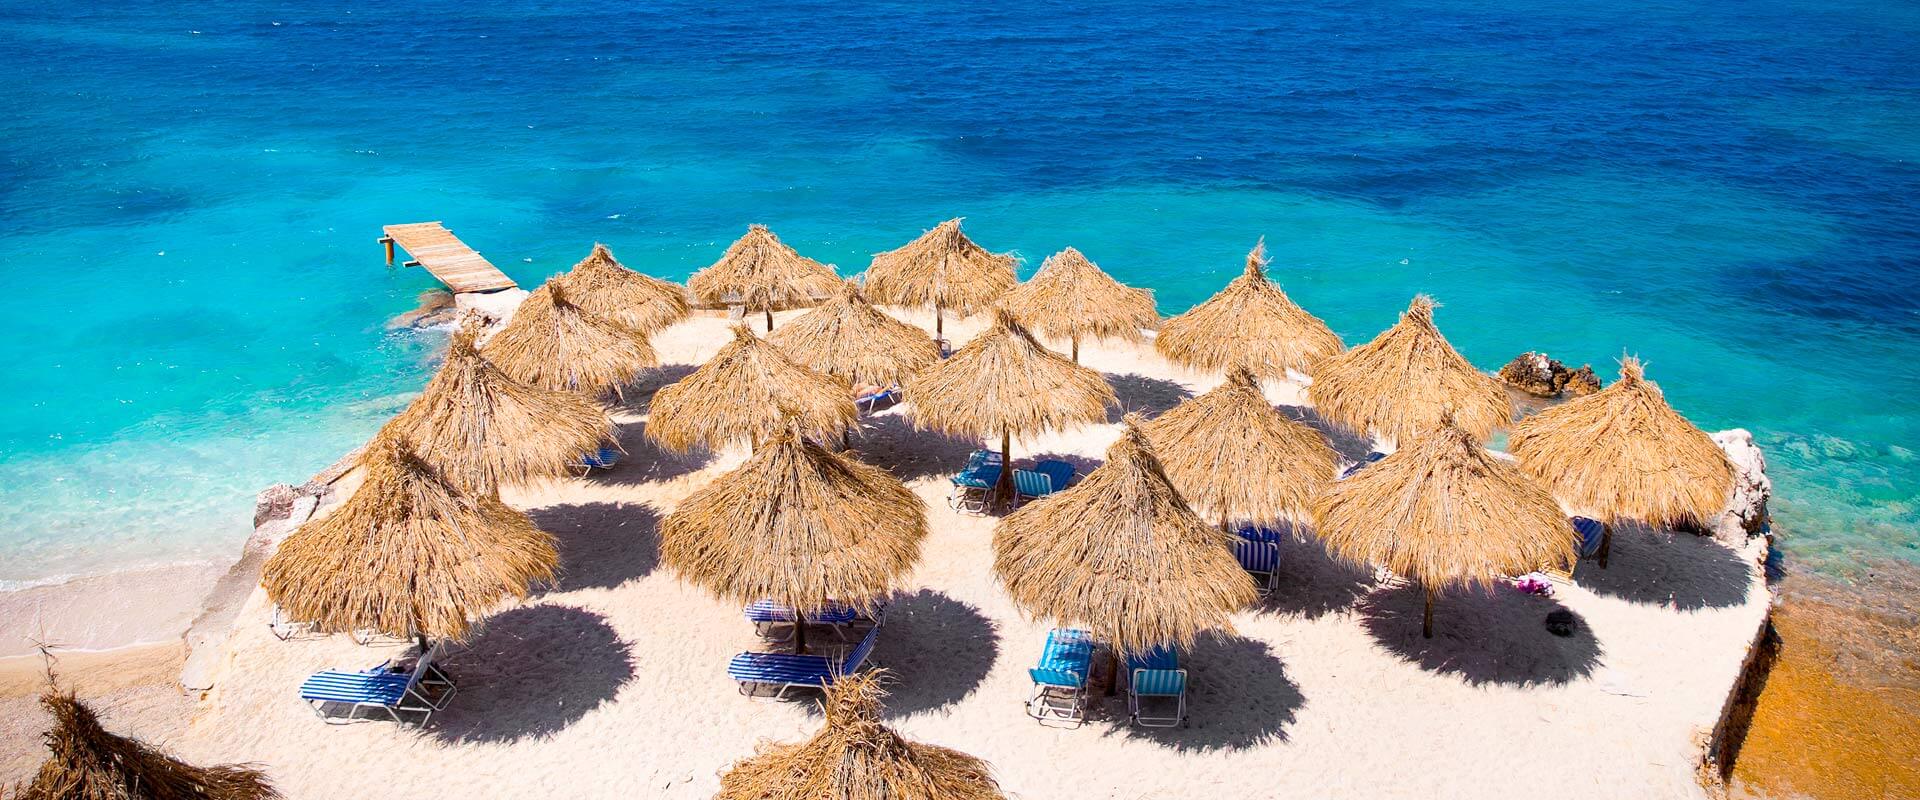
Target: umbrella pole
column 939, row 325
column 799, row 633
column 1426, row 622
column 769, row 311
column 1003, row 486
column 1076, row 349
column 1606, row 543
column 1113, row 672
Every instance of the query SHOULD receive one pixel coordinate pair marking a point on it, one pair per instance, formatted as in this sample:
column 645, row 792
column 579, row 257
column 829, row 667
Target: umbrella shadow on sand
column 643, row 460
column 1148, row 396
column 1683, row 571
column 936, row 649
column 602, row 545
column 1313, row 584
column 531, row 672
column 1496, row 636
column 1345, row 443
column 637, row 397
column 1238, row 697
column 889, row 441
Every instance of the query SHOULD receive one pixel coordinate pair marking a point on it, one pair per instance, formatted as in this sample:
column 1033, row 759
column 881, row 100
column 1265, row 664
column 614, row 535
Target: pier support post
column 388, row 241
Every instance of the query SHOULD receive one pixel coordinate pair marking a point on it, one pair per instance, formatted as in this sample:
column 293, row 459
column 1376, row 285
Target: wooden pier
column 434, row 247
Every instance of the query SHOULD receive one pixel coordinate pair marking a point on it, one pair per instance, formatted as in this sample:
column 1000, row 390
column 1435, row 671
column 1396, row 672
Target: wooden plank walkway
column 449, row 259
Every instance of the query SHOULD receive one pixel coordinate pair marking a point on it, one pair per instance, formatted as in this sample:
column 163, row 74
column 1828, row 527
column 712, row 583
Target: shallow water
column 189, row 200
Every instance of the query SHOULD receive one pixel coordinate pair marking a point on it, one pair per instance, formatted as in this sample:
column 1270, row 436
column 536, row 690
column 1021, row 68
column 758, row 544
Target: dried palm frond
column 1234, row 457
column 1071, row 298
column 90, row 763
column 1251, row 323
column 1405, row 380
column 848, row 337
column 746, row 392
column 761, row 273
column 553, row 344
column 601, row 286
column 943, row 270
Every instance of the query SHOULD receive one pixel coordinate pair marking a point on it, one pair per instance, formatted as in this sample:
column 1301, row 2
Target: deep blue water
column 189, row 198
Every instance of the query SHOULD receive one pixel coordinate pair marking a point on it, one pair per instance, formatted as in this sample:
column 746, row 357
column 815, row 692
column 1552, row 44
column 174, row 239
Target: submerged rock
column 1541, row 376
column 436, row 307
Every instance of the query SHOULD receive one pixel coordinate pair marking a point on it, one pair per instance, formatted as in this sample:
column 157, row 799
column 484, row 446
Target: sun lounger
column 1587, row 536
column 1060, row 471
column 767, row 616
column 1060, row 679
column 1260, row 559
column 946, row 348
column 339, row 696
column 1361, row 464
column 1156, row 684
column 869, row 403
column 1255, row 533
column 1030, row 485
column 604, row 458
column 782, row 671
column 286, row 629
column 975, row 482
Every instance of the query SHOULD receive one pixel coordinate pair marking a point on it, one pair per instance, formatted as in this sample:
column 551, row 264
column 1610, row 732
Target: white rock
column 1746, row 512
column 496, row 307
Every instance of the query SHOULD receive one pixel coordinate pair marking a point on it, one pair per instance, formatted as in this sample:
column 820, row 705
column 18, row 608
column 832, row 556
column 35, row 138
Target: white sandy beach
column 613, row 684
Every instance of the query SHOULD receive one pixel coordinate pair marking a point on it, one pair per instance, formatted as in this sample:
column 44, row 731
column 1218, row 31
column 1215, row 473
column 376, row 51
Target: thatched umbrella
column 759, row 272
column 1071, row 298
column 857, row 757
column 943, row 269
column 1622, row 453
column 408, row 554
column 1121, row 555
column 1003, row 382
column 91, row 763
column 848, row 337
column 1442, row 511
column 482, row 429
column 1407, row 378
column 1251, row 323
column 553, row 344
column 799, row 525
column 1233, row 456
column 747, row 392
column 642, row 302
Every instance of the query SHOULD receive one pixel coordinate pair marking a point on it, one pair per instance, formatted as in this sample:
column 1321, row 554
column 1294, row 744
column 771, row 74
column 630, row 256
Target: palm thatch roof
column 553, row 344
column 942, row 269
column 1251, row 323
column 855, row 756
column 1442, row 511
column 1623, row 454
column 762, row 273
column 1071, row 298
column 1406, row 379
column 483, row 430
column 90, row 763
column 1234, row 457
column 799, row 525
column 1005, row 382
column 601, row 286
column 1121, row 555
column 407, row 554
column 746, row 392
column 847, row 336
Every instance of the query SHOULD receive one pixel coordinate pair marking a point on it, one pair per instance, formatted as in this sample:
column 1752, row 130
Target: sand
column 613, row 683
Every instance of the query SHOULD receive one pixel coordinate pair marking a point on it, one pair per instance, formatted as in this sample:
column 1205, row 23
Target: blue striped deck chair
column 1060, row 679
column 604, row 458
column 1361, row 464
column 871, row 403
column 973, row 485
column 1261, row 560
column 1030, row 485
column 1157, row 684
column 1587, row 536
column 1162, row 657
column 1059, row 471
column 779, row 672
column 1255, row 533
column 768, row 617
column 339, row 696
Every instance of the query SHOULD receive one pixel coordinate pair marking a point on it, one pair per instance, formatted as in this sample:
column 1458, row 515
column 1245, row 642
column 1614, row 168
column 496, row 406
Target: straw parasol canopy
column 90, row 763
column 761, row 273
column 553, row 344
column 1251, row 323
column 799, row 525
column 848, row 337
column 1003, row 382
column 1121, row 555
column 1402, row 383
column 642, row 302
column 1071, row 298
column 856, row 757
column 1442, row 511
column 408, row 554
column 1622, row 454
column 747, row 391
column 943, row 269
column 482, row 429
column 1234, row 457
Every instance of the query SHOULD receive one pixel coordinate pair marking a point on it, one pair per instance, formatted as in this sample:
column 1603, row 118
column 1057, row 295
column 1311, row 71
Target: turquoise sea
column 190, row 196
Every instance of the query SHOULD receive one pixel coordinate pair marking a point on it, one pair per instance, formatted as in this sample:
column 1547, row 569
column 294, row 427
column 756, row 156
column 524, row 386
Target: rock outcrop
column 437, row 307
column 1746, row 513
column 1540, row 376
